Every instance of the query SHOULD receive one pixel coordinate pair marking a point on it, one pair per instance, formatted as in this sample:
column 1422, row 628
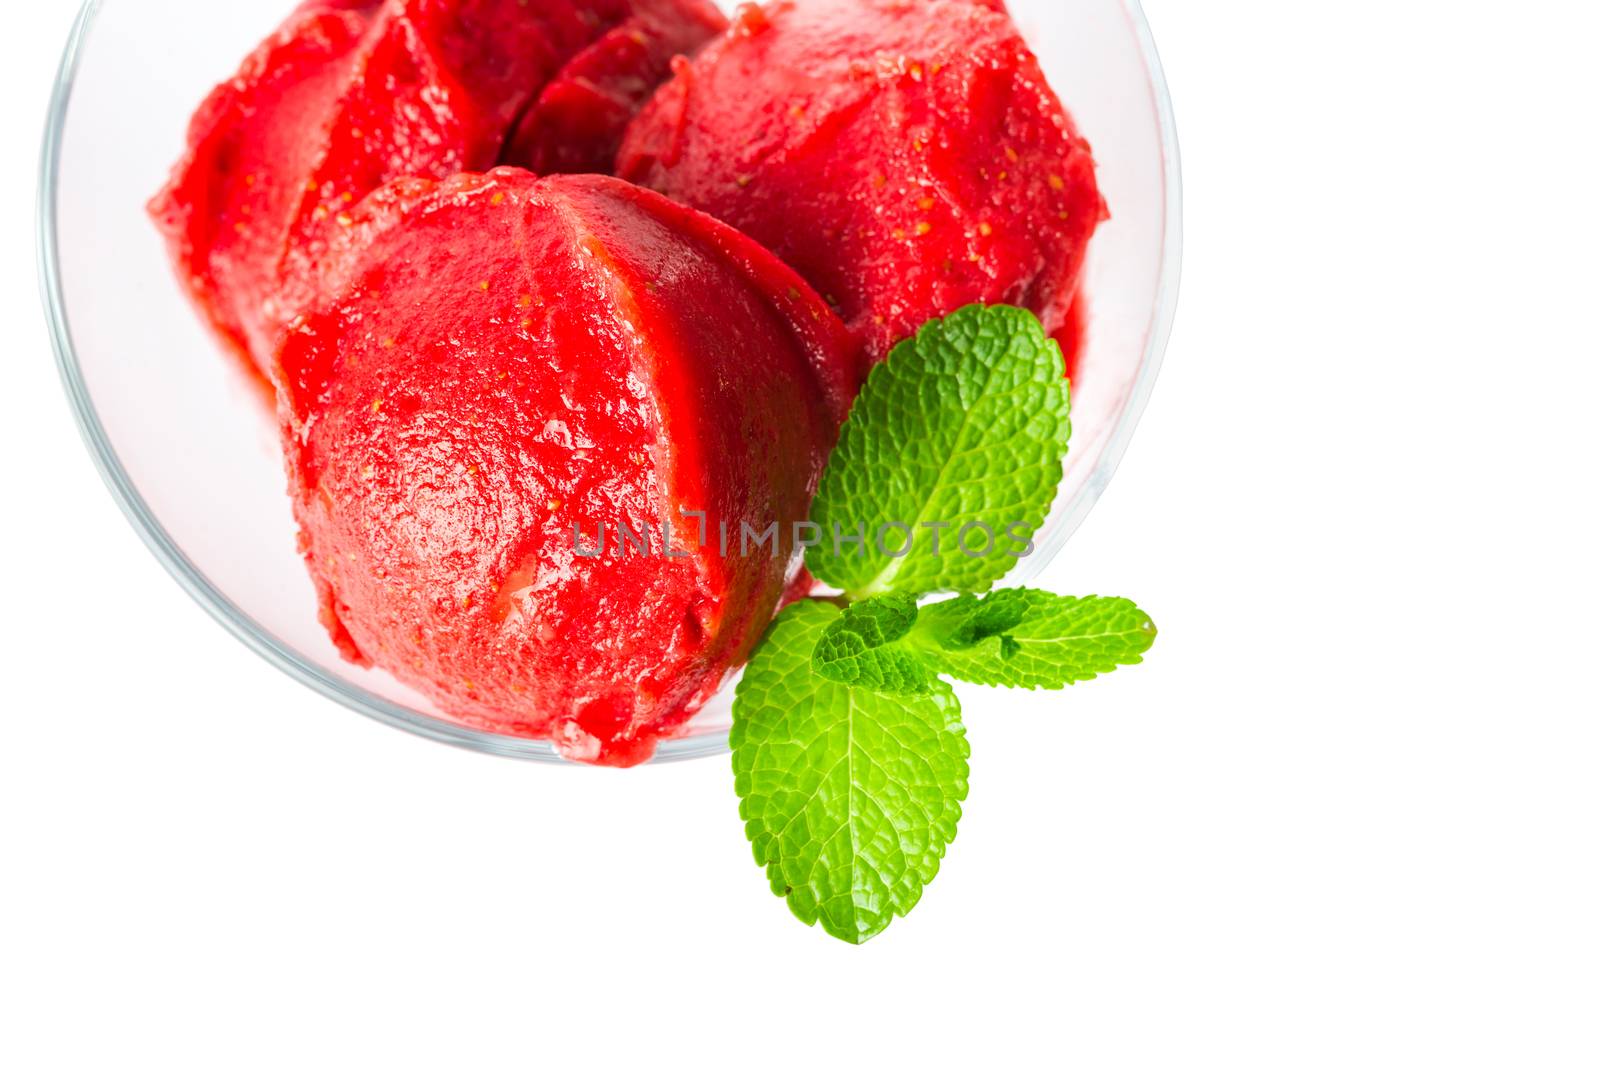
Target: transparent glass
column 190, row 453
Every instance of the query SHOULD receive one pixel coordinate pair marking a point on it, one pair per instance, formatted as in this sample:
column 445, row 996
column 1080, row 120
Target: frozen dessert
column 906, row 156
column 562, row 303
column 345, row 96
column 513, row 373
column 577, row 123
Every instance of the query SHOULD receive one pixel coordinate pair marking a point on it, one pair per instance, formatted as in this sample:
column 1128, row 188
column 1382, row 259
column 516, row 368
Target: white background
column 1345, row 814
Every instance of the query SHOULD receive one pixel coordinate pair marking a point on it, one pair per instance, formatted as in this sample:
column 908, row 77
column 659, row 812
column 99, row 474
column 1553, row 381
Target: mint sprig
column 849, row 754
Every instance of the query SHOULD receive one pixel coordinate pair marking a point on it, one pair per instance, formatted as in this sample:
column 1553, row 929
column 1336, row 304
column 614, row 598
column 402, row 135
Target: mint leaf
column 1031, row 639
column 849, row 797
column 967, row 620
column 858, row 648
column 961, row 430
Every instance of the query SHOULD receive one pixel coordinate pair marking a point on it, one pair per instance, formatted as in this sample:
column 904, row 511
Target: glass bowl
column 189, row 450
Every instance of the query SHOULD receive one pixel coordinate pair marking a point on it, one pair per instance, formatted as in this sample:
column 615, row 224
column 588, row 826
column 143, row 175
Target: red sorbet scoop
column 342, row 98
column 905, row 156
column 578, row 121
column 505, row 358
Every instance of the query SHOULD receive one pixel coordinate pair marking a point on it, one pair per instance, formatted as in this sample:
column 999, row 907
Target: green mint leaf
column 858, row 648
column 967, row 620
column 961, row 431
column 1030, row 639
column 849, row 797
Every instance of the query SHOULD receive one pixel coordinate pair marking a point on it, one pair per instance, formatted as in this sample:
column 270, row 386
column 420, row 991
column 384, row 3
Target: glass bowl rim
column 359, row 699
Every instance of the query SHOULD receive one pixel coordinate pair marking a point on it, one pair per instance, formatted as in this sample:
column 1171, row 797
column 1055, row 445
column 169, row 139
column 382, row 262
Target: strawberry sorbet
column 906, row 156
column 529, row 411
column 345, row 96
column 507, row 364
